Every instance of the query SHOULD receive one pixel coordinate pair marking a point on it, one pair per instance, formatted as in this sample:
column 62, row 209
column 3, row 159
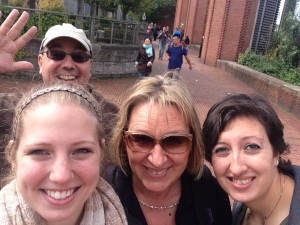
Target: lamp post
column 144, row 17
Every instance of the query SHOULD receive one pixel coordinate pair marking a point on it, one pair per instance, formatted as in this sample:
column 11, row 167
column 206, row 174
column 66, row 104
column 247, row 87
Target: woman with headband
column 55, row 153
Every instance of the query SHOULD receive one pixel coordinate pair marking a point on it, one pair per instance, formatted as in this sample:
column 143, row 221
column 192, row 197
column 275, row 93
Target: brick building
column 229, row 27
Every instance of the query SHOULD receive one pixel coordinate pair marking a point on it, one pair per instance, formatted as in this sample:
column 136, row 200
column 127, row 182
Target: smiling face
column 66, row 69
column 157, row 171
column 243, row 160
column 57, row 161
column 147, row 41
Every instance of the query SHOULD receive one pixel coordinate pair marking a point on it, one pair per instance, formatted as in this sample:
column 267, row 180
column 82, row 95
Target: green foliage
column 154, row 9
column 108, row 5
column 129, row 6
column 21, row 54
column 46, row 20
column 53, row 5
column 41, row 20
column 286, row 41
column 250, row 59
column 157, row 9
column 275, row 67
column 284, row 55
column 17, row 3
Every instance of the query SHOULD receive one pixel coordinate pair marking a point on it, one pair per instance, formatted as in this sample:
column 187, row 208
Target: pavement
column 207, row 85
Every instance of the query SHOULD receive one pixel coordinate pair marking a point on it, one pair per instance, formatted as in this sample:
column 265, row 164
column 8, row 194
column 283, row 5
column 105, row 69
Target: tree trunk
column 92, row 24
column 31, row 4
column 79, row 19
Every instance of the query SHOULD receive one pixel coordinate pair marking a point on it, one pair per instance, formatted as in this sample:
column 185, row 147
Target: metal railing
column 97, row 29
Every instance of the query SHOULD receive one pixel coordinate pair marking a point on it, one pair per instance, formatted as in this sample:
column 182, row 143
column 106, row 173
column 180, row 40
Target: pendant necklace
column 267, row 217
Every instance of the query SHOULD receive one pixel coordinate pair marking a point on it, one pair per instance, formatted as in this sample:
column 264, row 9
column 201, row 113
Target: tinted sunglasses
column 57, row 55
column 174, row 143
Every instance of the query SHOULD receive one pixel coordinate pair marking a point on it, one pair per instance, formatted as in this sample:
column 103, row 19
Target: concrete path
column 207, row 85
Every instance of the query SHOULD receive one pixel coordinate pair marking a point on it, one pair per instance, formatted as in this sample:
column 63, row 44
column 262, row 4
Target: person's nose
column 68, row 62
column 238, row 165
column 157, row 156
column 61, row 170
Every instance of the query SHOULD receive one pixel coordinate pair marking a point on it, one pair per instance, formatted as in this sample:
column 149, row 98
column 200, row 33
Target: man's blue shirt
column 176, row 54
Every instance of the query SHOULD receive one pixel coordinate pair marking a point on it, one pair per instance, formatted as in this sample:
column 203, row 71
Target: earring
column 277, row 162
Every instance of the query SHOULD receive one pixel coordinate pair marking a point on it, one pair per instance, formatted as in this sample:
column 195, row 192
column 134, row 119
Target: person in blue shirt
column 174, row 54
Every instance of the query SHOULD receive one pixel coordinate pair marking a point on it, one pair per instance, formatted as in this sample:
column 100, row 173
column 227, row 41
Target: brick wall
column 284, row 94
column 192, row 14
column 228, row 29
column 227, row 26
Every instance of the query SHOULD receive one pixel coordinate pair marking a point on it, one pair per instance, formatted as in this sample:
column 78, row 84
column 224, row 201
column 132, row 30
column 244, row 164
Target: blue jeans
column 161, row 48
column 140, row 75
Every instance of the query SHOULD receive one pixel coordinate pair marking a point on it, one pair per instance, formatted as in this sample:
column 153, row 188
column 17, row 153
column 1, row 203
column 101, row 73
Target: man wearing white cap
column 65, row 54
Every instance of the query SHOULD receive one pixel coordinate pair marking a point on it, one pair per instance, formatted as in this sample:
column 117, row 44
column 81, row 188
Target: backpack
column 183, row 43
column 170, row 50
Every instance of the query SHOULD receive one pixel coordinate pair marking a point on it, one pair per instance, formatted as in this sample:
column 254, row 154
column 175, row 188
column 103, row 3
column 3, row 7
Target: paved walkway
column 207, row 85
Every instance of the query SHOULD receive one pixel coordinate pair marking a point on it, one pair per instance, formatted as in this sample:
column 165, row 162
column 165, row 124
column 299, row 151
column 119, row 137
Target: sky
column 280, row 11
column 297, row 11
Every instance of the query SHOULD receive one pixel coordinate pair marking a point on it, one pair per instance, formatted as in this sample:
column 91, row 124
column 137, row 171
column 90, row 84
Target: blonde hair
column 162, row 91
column 62, row 93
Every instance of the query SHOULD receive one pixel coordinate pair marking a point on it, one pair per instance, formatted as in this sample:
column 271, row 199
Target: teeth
column 157, row 172
column 66, row 77
column 60, row 195
column 241, row 181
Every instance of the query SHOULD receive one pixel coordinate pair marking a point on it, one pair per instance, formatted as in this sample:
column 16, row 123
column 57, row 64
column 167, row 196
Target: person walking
column 162, row 42
column 174, row 54
column 145, row 58
column 187, row 42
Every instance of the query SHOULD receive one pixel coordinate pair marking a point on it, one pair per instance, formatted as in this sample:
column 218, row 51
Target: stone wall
column 109, row 60
column 284, row 94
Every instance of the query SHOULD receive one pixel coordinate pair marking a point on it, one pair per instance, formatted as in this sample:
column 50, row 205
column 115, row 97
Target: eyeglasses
column 57, row 55
column 173, row 143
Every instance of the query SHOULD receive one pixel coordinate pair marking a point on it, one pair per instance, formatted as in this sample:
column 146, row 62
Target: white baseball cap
column 66, row 30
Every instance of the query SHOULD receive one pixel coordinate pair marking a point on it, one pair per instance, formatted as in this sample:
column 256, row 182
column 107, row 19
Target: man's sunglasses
column 173, row 143
column 57, row 55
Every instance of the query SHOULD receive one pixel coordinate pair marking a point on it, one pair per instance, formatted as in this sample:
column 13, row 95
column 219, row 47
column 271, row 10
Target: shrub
column 275, row 67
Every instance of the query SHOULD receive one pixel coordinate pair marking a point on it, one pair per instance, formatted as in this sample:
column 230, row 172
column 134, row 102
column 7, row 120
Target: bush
column 276, row 67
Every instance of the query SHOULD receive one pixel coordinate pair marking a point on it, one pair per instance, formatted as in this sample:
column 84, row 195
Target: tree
column 53, row 5
column 157, row 9
column 31, row 4
column 79, row 19
column 286, row 41
column 17, row 3
column 108, row 5
column 129, row 6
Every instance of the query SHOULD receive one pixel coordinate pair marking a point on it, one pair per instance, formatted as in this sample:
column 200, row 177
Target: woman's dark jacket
column 143, row 59
column 202, row 202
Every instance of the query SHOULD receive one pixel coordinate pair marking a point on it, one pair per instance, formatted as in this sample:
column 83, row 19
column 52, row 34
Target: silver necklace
column 158, row 207
column 267, row 217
